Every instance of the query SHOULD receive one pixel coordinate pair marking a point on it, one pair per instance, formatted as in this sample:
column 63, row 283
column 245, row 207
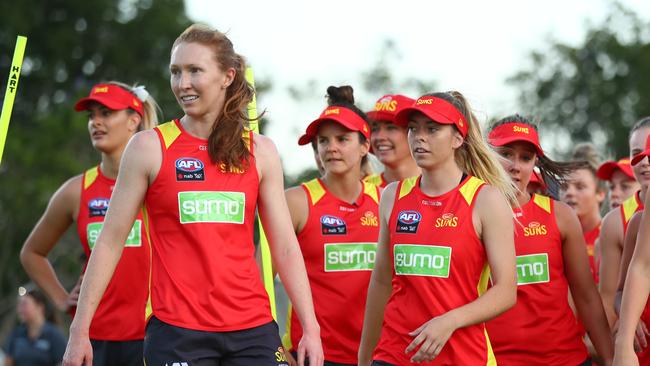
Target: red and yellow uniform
column 628, row 208
column 594, row 258
column 339, row 244
column 120, row 315
column 541, row 328
column 199, row 217
column 376, row 179
column 439, row 264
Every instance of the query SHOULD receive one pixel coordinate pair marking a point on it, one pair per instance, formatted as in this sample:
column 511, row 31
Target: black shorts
column 169, row 345
column 109, row 353
column 325, row 363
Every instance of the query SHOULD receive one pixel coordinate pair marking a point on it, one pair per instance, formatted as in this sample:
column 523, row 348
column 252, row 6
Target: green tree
column 72, row 44
column 594, row 91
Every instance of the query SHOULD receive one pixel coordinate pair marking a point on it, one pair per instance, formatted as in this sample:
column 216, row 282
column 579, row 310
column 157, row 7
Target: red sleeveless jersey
column 376, row 179
column 339, row 244
column 200, row 217
column 594, row 258
column 120, row 315
column 541, row 328
column 439, row 264
column 629, row 207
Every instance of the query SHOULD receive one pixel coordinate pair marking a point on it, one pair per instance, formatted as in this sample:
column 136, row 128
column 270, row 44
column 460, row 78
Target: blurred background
column 581, row 68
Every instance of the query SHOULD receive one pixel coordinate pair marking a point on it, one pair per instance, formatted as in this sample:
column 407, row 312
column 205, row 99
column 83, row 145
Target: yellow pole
column 267, row 270
column 10, row 93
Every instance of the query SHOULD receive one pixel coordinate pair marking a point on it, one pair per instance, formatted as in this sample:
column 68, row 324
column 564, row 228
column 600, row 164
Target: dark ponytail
column 554, row 173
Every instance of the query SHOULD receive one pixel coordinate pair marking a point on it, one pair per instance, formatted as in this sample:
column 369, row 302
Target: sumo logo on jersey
column 332, row 225
column 189, row 169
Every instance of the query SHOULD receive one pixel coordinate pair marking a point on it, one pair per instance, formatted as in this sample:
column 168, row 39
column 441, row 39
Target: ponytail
column 228, row 140
column 475, row 156
column 553, row 173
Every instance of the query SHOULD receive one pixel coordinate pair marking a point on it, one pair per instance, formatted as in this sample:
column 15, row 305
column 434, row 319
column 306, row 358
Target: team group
column 468, row 249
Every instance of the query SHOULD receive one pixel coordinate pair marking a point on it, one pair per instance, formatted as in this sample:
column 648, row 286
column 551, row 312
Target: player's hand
column 431, row 337
column 310, row 347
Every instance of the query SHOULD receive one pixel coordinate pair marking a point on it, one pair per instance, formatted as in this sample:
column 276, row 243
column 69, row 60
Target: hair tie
column 141, row 93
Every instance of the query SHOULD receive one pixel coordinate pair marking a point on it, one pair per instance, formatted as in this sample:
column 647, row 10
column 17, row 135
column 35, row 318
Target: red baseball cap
column 437, row 109
column 640, row 156
column 388, row 106
column 341, row 115
column 112, row 97
column 607, row 169
column 515, row 131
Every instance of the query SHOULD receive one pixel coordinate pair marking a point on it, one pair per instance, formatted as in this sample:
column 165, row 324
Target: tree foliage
column 594, row 91
column 72, row 44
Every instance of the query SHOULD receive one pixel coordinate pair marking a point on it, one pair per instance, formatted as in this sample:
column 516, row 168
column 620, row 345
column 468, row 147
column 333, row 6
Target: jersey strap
column 543, row 202
column 315, row 190
column 371, row 190
column 169, row 132
column 90, row 176
column 469, row 189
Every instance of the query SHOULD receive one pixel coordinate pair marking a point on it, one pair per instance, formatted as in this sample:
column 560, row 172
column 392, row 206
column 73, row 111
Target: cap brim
column 305, row 139
column 402, row 117
column 83, row 103
column 312, row 129
column 381, row 116
column 640, row 156
column 506, row 140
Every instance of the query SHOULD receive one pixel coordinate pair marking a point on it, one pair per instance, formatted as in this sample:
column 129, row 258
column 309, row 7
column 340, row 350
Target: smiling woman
column 201, row 178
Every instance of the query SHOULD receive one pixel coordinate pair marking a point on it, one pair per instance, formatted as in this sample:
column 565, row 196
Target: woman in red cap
column 616, row 222
column 335, row 218
column 621, row 183
column 389, row 142
column 585, row 193
column 541, row 329
column 428, row 297
column 201, row 179
column 115, row 113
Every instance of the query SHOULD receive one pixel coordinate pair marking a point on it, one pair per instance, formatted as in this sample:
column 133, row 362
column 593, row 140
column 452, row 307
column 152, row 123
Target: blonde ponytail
column 475, row 156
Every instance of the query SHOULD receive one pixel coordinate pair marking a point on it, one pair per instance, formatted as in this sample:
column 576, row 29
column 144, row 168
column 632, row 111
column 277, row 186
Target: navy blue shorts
column 109, row 353
column 169, row 345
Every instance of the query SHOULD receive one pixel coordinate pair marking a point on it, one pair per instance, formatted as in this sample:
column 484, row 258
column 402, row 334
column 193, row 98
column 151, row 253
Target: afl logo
column 189, row 169
column 332, row 225
column 408, row 221
column 98, row 207
column 189, row 165
column 409, row 217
